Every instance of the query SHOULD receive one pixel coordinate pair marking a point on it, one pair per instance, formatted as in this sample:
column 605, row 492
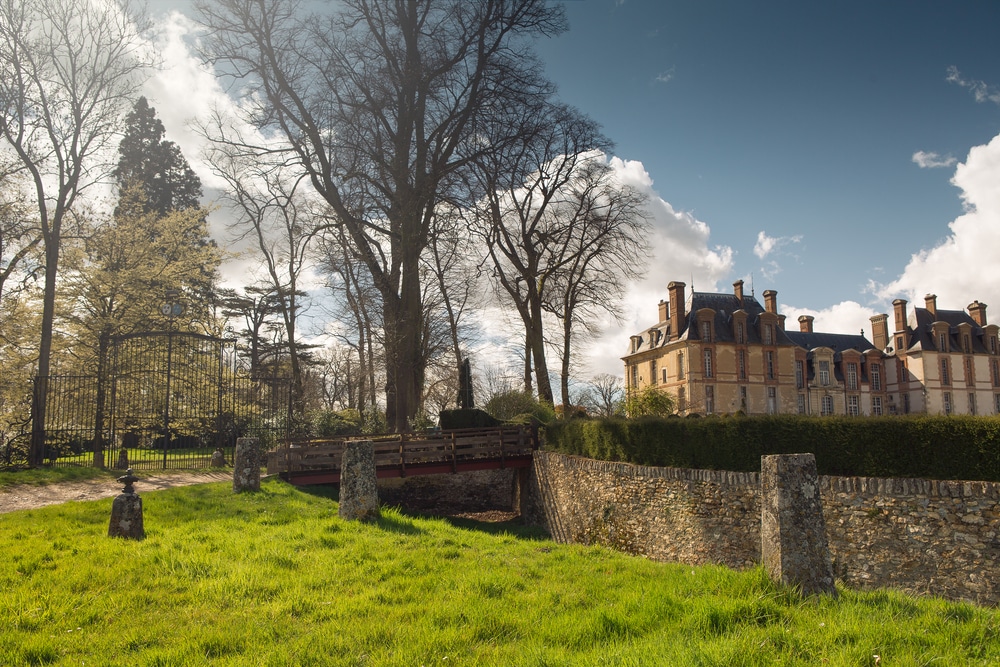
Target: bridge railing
column 401, row 454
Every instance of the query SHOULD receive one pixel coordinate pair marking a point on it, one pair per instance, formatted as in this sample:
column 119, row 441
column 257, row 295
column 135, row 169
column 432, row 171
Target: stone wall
column 920, row 536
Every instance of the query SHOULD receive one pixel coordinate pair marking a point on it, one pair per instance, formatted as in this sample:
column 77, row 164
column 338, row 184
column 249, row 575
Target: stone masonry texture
column 920, row 536
column 793, row 534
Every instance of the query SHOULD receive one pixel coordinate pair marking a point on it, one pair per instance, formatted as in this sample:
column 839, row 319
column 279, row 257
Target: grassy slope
column 276, row 578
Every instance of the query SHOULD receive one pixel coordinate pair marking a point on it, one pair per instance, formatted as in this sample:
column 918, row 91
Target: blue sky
column 838, row 152
column 799, row 120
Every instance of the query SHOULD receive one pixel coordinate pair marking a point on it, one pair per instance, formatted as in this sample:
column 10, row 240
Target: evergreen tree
column 156, row 164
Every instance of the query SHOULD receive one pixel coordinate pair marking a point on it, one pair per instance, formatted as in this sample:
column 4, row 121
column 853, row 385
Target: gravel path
column 28, row 496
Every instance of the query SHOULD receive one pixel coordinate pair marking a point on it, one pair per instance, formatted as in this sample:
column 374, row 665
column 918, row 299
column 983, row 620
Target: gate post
column 794, row 547
column 358, row 482
column 246, row 465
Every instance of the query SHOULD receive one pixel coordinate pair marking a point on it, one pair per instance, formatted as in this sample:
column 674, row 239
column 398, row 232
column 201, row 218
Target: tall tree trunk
column 40, row 396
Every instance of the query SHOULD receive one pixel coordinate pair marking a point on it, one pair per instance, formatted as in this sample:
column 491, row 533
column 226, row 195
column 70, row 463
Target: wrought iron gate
column 169, row 398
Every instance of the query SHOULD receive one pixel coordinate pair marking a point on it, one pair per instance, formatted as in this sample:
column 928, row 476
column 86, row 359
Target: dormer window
column 943, row 342
column 824, row 373
column 768, row 334
column 706, row 331
column 740, row 333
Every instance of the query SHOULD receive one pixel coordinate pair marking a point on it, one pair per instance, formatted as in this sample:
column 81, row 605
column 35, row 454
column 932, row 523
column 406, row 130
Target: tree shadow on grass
column 514, row 527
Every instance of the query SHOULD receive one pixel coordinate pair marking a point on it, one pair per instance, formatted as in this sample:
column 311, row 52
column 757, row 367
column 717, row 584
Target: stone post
column 358, row 490
column 794, row 548
column 126, row 511
column 218, row 458
column 246, row 465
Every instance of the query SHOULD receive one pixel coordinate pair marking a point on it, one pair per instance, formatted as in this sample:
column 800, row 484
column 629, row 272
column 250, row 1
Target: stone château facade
column 726, row 353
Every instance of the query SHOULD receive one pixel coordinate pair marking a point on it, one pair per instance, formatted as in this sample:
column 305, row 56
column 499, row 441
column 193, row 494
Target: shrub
column 958, row 447
column 650, row 401
column 335, row 423
column 510, row 405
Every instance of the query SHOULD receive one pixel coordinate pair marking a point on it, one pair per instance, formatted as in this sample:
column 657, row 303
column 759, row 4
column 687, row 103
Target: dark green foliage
column 518, row 406
column 919, row 446
column 470, row 418
column 155, row 164
column 336, row 423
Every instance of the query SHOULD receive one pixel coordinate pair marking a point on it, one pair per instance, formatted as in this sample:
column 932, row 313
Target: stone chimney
column 977, row 311
column 771, row 301
column 678, row 316
column 664, row 311
column 781, row 322
column 634, row 342
column 930, row 301
column 880, row 331
column 899, row 310
column 806, row 323
column 738, row 290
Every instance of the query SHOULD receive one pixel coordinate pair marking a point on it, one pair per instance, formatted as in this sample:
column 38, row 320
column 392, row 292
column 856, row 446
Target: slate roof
column 836, row 342
column 724, row 306
column 921, row 335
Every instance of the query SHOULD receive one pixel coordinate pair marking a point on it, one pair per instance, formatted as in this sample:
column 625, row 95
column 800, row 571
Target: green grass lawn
column 276, row 578
column 49, row 475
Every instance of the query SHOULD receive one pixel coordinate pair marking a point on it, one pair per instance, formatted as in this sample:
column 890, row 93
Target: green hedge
column 913, row 446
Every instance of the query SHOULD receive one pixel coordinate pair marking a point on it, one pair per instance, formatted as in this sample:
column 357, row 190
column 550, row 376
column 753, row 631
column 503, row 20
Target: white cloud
column 963, row 266
column 930, row 160
column 184, row 91
column 846, row 317
column 665, row 76
column 680, row 249
column 982, row 91
column 765, row 244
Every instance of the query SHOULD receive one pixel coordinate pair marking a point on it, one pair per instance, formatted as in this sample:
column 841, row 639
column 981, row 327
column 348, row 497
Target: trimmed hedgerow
column 958, row 447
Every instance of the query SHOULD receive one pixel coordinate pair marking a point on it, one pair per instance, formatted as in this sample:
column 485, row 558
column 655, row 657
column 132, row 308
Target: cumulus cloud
column 680, row 249
column 930, row 160
column 962, row 267
column 982, row 91
column 766, row 245
column 846, row 317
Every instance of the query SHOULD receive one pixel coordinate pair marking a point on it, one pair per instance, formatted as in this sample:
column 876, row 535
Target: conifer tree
column 157, row 164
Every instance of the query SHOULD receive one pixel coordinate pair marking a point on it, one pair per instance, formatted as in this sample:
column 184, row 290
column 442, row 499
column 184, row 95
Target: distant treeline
column 932, row 447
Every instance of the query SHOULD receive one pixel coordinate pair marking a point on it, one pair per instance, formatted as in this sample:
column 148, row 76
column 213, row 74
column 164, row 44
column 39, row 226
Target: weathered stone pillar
column 794, row 548
column 126, row 511
column 358, row 490
column 218, row 458
column 122, row 463
column 246, row 465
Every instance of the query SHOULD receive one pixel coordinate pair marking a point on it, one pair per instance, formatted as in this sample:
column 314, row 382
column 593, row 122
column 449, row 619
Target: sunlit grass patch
column 277, row 578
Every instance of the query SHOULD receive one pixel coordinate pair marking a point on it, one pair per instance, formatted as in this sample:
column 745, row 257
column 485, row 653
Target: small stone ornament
column 128, row 479
column 126, row 511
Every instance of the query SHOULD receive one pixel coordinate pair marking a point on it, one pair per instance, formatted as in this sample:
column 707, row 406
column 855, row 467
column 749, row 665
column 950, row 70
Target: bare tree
column 272, row 210
column 358, row 316
column 68, row 71
column 526, row 218
column 605, row 225
column 605, row 395
column 382, row 106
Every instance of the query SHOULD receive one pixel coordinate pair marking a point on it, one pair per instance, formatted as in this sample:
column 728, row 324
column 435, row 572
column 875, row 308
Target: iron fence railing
column 170, row 399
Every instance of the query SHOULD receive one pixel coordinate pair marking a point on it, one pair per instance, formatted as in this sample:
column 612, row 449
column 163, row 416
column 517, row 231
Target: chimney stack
column 678, row 316
column 899, row 309
column 771, row 301
column 880, row 331
column 806, row 323
column 781, row 322
column 664, row 311
column 738, row 290
column 931, row 302
column 978, row 312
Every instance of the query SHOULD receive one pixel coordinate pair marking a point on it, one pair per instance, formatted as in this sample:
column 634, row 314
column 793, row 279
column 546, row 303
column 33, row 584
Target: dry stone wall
column 920, row 536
